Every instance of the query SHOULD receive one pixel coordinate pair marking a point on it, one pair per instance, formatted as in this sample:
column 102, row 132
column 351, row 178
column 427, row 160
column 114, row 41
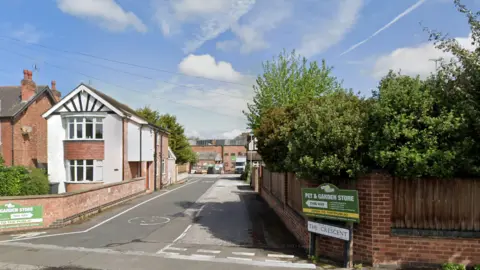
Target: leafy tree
column 412, row 134
column 273, row 135
column 328, row 138
column 286, row 81
column 177, row 140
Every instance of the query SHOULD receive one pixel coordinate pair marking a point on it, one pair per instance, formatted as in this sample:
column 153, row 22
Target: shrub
column 453, row 266
column 412, row 135
column 477, row 267
column 36, row 183
column 329, row 137
column 11, row 180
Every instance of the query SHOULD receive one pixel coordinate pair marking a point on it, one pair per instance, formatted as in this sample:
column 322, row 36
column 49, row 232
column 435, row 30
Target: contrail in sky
column 401, row 15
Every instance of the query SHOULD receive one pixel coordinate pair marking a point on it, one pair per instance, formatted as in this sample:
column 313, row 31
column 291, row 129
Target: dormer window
column 84, row 128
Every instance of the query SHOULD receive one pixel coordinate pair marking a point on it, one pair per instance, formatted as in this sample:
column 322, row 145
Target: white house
column 94, row 139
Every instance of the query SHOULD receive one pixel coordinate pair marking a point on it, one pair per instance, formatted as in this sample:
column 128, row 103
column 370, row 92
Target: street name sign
column 14, row 215
column 328, row 230
column 329, row 202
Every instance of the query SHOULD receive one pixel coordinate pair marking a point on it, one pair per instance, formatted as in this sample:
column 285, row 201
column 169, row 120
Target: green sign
column 14, row 215
column 329, row 202
column 233, row 158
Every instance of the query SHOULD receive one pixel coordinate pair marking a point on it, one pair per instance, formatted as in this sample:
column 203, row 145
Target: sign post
column 329, row 202
column 14, row 215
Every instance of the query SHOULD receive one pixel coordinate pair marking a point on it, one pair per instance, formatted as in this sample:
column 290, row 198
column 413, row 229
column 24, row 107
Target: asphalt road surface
column 210, row 222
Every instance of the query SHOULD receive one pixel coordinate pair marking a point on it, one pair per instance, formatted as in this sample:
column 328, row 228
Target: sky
column 198, row 59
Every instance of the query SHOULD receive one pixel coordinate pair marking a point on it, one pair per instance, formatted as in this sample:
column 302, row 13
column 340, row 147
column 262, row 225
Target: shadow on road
column 265, row 229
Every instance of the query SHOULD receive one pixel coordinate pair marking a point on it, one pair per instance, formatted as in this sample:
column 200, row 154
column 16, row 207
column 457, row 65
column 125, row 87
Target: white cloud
column 386, row 26
column 227, row 45
column 28, row 33
column 208, row 19
column 333, row 30
column 417, row 60
column 251, row 34
column 232, row 133
column 106, row 12
column 206, row 66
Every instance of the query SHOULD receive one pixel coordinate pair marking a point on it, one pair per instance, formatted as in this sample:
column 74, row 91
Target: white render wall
column 133, row 142
column 56, row 163
column 112, row 135
column 148, row 141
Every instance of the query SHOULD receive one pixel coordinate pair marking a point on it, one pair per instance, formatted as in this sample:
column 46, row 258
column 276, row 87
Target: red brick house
column 23, row 131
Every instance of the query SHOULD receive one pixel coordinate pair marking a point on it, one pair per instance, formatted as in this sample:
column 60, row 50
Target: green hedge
column 18, row 181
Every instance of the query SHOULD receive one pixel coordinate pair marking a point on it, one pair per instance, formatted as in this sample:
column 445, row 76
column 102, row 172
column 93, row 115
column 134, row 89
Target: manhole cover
column 148, row 221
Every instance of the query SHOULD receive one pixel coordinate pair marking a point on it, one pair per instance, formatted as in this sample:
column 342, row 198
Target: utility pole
column 436, row 62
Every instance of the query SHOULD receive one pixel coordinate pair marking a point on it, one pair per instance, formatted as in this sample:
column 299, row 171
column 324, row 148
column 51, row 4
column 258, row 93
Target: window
column 232, row 154
column 81, row 170
column 226, row 154
column 240, row 153
column 85, row 128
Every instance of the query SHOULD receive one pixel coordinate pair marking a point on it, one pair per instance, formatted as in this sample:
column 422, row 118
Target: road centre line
column 177, row 249
column 202, row 256
column 103, row 222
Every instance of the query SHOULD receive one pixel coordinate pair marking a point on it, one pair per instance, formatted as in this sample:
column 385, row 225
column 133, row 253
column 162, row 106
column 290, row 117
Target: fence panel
column 436, row 204
column 266, row 179
column 294, row 195
column 278, row 182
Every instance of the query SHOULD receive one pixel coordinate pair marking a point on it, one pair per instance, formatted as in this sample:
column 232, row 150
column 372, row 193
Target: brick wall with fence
column 424, row 222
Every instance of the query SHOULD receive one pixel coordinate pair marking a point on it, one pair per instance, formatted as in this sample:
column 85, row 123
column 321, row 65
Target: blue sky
column 203, row 56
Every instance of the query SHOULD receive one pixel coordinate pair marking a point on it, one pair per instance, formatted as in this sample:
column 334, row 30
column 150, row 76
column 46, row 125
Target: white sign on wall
column 328, row 230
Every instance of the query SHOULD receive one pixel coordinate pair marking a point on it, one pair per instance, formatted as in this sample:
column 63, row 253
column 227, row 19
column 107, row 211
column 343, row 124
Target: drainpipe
column 12, row 124
column 141, row 150
column 161, row 160
column 155, row 159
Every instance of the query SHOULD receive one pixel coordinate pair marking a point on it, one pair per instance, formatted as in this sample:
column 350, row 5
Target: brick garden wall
column 63, row 209
column 373, row 240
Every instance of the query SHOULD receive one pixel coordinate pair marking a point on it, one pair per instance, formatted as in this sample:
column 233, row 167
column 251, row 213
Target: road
column 210, row 222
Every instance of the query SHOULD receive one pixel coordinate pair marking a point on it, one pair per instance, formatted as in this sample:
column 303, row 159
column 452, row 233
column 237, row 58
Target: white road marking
column 105, row 221
column 208, row 251
column 165, row 220
column 237, row 258
column 176, row 239
column 164, row 255
column 281, row 256
column 175, row 248
column 199, row 211
column 202, row 256
column 277, row 261
column 27, row 235
column 244, row 253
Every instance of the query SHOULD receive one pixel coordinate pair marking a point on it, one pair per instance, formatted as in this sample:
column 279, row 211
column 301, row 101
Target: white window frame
column 96, row 120
column 97, row 169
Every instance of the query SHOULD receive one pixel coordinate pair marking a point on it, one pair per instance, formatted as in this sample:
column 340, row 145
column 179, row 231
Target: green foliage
column 177, row 140
column 328, row 138
column 273, row 135
column 476, row 267
column 11, row 180
column 246, row 173
column 36, row 184
column 286, row 81
column 412, row 134
column 453, row 266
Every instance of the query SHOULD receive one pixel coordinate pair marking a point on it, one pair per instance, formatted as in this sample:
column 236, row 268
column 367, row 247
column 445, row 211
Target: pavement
column 209, row 222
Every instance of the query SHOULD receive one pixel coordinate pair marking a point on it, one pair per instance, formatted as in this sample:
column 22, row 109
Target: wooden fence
column 436, row 204
column 183, row 168
column 429, row 204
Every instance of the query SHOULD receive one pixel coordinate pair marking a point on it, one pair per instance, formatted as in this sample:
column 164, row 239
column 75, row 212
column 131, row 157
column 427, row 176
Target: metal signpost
column 329, row 202
column 14, row 215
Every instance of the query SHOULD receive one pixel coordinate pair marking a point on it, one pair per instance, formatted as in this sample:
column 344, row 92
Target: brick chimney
column 56, row 93
column 28, row 85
